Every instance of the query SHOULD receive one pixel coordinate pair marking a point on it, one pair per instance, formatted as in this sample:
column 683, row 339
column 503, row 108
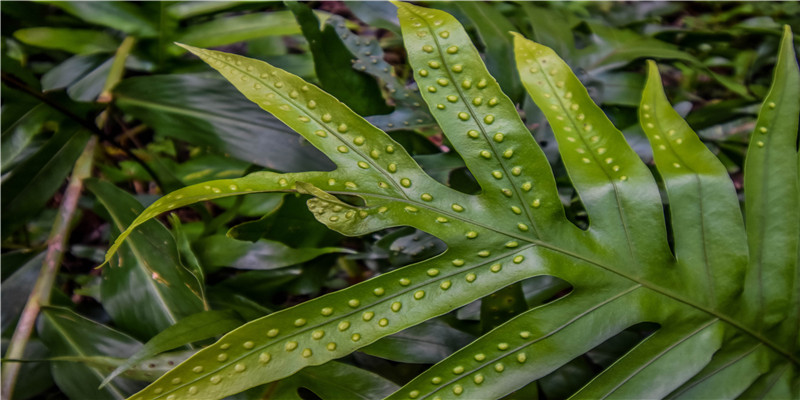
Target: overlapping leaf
column 621, row 268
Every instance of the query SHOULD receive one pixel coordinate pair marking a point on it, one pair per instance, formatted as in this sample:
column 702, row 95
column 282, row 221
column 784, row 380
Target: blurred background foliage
column 76, row 72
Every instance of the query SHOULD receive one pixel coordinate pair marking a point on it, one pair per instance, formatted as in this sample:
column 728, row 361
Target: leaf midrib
column 676, row 395
column 190, row 112
column 149, row 280
column 475, row 118
column 75, row 347
column 658, row 356
column 576, row 127
column 549, row 334
column 701, row 204
column 386, row 299
column 326, row 126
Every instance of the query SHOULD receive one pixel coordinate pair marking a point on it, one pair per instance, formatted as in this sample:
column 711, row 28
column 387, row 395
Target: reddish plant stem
column 56, row 243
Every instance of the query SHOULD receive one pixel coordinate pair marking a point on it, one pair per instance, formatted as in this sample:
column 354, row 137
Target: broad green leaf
column 146, row 289
column 208, row 112
column 122, row 16
column 221, row 251
column 146, row 370
column 17, row 287
column 26, row 189
column 620, row 267
column 772, row 201
column 196, row 327
column 409, row 112
column 702, row 201
column 232, row 29
column 89, row 86
column 333, row 381
column 77, row 41
column 552, row 29
column 71, row 71
column 333, row 65
column 426, row 343
column 67, row 334
column 493, row 29
column 34, row 377
column 18, row 135
column 734, row 369
column 188, row 9
column 616, row 47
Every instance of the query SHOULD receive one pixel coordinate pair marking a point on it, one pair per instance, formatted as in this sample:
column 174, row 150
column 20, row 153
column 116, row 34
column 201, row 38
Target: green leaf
column 18, row 135
column 409, row 112
column 552, row 29
column 208, row 112
column 772, row 200
column 77, row 41
column 34, row 377
column 17, row 287
column 426, row 343
column 147, row 289
column 699, row 192
column 335, row 380
column 620, row 266
column 493, row 29
column 222, row 251
column 332, row 63
column 30, row 185
column 196, row 327
column 146, row 370
column 227, row 30
column 190, row 9
column 68, row 334
column 125, row 17
column 82, row 75
column 71, row 71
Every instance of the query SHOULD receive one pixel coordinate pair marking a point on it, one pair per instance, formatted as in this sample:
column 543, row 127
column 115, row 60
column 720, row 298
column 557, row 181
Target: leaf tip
column 192, row 49
column 787, row 31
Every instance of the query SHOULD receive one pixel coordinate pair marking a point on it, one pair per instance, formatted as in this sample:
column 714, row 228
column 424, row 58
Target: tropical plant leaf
column 147, row 282
column 193, row 328
column 409, row 112
column 67, row 334
column 223, row 251
column 27, row 188
column 333, row 66
column 78, row 41
column 125, row 17
column 772, row 207
column 207, row 112
column 493, row 30
column 222, row 31
column 334, row 380
column 621, row 267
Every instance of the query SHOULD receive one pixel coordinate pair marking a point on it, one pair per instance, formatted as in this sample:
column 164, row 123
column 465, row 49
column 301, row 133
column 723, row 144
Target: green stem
column 15, row 83
column 56, row 244
column 117, row 69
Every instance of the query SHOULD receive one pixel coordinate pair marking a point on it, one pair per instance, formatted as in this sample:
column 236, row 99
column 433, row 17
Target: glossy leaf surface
column 147, row 282
column 201, row 110
column 196, row 327
column 78, row 41
column 621, row 268
column 69, row 335
column 334, row 380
